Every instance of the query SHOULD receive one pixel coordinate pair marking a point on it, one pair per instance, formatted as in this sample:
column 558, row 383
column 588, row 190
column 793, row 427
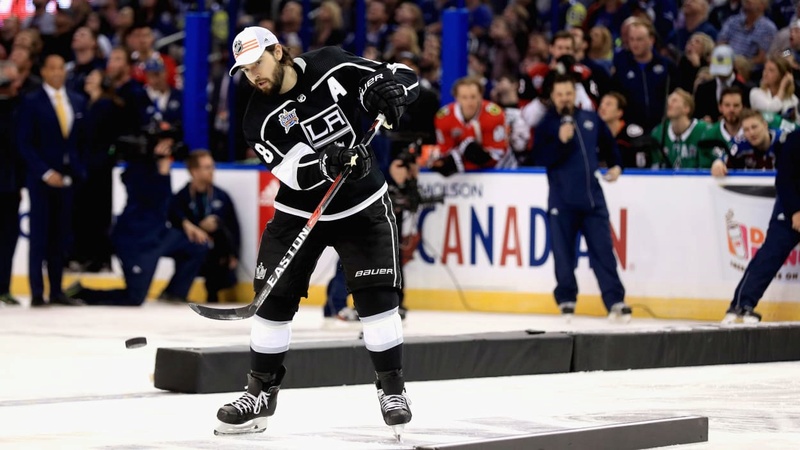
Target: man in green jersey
column 719, row 136
column 679, row 136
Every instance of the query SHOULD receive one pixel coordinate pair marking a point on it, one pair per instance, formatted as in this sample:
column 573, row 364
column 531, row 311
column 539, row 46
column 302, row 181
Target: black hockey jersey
column 289, row 130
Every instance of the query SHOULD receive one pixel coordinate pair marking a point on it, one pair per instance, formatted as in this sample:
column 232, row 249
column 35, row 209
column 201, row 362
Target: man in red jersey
column 471, row 131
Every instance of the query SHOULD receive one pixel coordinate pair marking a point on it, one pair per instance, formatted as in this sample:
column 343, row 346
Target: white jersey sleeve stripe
column 286, row 170
column 339, row 67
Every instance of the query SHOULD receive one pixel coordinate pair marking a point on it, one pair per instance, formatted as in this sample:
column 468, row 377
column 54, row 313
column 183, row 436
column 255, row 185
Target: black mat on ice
column 313, row 364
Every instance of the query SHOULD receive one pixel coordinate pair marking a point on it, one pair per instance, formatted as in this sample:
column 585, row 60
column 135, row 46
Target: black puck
column 136, row 342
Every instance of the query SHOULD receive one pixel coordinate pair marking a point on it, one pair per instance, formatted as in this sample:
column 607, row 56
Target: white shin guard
column 267, row 336
column 382, row 331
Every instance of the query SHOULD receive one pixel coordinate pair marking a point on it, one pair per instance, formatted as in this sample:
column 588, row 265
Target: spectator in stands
column 754, row 149
column 601, row 48
column 206, row 213
column 696, row 55
column 92, row 249
column 607, row 13
column 782, row 39
column 328, row 25
column 134, row 98
column 601, row 78
column 719, row 136
column 288, row 27
column 51, row 137
column 141, row 235
column 12, row 177
column 750, row 33
column 781, row 12
column 679, row 136
column 103, row 42
column 722, row 11
column 644, row 76
column 537, row 52
column 470, row 131
column 166, row 103
column 635, row 146
column 783, row 234
column 27, row 81
column 41, row 20
column 708, row 94
column 402, row 39
column 8, row 31
column 503, row 54
column 562, row 44
column 143, row 51
column 568, row 141
column 505, row 93
column 409, row 14
column 695, row 14
column 516, row 17
column 776, row 93
column 87, row 58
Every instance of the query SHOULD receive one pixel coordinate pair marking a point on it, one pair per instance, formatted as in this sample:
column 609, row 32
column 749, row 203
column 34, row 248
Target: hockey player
column 635, row 147
column 470, row 131
column 304, row 121
column 783, row 233
column 679, row 136
column 755, row 149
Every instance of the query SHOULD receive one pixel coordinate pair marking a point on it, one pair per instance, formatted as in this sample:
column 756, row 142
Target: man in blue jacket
column 567, row 143
column 783, row 234
column 644, row 77
column 52, row 139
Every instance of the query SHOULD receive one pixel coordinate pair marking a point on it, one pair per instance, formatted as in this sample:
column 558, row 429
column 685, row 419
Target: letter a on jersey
column 336, row 89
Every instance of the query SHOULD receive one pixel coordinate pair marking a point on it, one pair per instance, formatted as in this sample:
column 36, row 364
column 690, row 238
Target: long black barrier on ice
column 315, row 364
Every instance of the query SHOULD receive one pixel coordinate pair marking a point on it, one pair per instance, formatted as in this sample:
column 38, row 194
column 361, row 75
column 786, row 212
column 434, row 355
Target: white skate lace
column 249, row 402
column 391, row 402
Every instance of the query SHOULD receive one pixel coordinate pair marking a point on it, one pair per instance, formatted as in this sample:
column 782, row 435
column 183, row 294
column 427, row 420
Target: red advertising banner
column 267, row 190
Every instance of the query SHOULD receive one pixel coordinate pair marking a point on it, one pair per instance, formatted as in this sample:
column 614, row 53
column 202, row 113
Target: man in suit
column 51, row 140
column 708, row 94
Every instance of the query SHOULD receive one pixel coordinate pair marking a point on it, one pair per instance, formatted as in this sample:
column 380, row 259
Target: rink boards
column 426, row 358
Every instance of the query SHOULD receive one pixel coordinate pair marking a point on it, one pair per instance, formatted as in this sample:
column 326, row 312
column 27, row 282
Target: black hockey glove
column 379, row 93
column 334, row 158
column 474, row 153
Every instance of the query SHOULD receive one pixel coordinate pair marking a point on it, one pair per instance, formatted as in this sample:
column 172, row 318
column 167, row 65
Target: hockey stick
column 245, row 312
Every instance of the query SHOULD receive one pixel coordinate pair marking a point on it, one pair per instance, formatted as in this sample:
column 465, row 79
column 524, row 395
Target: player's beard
column 275, row 82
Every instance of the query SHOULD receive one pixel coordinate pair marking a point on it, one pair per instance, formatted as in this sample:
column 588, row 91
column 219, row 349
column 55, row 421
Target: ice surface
column 68, row 382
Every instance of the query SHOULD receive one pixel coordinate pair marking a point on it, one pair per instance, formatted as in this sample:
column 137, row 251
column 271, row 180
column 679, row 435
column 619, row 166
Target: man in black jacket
column 707, row 95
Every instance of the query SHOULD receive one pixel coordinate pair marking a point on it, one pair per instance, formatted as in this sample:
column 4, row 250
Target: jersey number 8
column 266, row 154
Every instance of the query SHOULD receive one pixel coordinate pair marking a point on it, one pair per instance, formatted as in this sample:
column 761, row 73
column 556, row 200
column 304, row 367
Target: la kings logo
column 330, row 125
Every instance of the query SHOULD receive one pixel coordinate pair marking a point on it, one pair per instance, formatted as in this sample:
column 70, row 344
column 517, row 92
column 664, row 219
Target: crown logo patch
column 261, row 271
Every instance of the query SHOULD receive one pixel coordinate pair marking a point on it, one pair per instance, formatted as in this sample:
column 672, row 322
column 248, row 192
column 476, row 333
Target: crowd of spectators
column 671, row 79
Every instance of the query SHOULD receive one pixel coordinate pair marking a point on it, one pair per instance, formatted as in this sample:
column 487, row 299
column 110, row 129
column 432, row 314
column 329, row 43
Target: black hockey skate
column 250, row 412
column 394, row 401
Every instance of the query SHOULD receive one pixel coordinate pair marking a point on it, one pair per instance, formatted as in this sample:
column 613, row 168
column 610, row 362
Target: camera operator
column 142, row 234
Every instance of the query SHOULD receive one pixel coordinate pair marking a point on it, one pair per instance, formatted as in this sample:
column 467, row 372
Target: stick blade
column 243, row 312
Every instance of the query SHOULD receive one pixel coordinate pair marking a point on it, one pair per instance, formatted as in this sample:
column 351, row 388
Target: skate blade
column 398, row 432
column 258, row 425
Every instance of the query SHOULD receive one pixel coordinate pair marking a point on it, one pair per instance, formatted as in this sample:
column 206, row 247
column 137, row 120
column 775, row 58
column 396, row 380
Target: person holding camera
column 567, row 144
column 141, row 235
column 52, row 140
